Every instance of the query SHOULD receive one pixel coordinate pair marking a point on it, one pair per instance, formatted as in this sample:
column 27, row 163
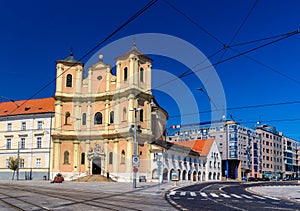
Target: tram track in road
column 14, row 202
column 110, row 201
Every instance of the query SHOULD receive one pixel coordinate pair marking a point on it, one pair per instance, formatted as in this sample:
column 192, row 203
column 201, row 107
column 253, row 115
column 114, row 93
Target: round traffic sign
column 135, row 170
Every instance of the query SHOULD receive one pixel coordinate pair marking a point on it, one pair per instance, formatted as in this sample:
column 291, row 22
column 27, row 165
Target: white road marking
column 236, row 196
column 246, row 196
column 214, row 195
column 193, row 194
column 273, row 198
column 203, row 194
column 182, row 193
column 172, row 193
column 259, row 197
column 225, row 195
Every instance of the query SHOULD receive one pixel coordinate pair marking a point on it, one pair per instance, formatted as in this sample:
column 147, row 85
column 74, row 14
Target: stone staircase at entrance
column 93, row 178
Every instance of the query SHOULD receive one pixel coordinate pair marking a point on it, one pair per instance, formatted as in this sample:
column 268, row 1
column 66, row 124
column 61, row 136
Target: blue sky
column 34, row 34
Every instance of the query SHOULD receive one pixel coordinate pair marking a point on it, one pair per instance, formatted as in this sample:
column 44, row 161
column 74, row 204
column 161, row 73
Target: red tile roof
column 200, row 146
column 23, row 107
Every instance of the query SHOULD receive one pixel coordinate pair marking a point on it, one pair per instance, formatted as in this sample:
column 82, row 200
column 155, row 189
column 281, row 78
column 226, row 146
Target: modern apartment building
column 290, row 153
column 272, row 152
column 25, row 133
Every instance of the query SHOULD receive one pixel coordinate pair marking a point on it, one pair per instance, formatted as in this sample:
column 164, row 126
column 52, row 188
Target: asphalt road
column 228, row 196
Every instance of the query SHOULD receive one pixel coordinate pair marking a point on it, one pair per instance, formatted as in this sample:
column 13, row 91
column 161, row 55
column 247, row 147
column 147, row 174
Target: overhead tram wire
column 247, row 51
column 194, row 22
column 241, row 107
column 137, row 14
column 268, row 67
column 287, row 35
column 239, row 28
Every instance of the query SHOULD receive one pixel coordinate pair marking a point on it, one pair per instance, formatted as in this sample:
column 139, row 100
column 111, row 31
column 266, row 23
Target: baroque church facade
column 95, row 116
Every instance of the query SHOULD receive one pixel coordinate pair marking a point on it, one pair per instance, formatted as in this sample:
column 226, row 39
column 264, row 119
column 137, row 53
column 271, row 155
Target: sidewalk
column 290, row 192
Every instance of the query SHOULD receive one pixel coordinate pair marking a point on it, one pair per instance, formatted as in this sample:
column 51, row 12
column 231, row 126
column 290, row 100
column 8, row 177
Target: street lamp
column 135, row 158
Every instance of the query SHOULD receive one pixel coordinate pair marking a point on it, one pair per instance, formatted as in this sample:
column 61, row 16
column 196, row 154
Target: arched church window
column 82, row 158
column 84, row 119
column 123, row 157
column 110, row 158
column 124, row 115
column 69, row 80
column 142, row 74
column 125, row 74
column 67, row 118
column 111, row 117
column 98, row 118
column 66, row 157
column 141, row 115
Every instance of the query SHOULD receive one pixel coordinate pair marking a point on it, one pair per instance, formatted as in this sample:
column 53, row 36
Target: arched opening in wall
column 199, row 176
column 154, row 174
column 179, row 174
column 218, row 177
column 194, row 176
column 165, row 174
column 203, row 176
column 172, row 170
column 184, row 175
column 96, row 166
column 84, row 119
column 189, row 175
column 214, row 176
column 209, row 175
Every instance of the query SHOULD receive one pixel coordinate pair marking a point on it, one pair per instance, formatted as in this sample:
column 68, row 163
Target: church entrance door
column 96, row 166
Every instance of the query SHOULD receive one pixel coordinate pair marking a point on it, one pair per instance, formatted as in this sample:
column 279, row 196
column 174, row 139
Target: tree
column 13, row 165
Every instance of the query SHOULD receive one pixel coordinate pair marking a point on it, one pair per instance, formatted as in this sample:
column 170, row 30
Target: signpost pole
column 134, row 146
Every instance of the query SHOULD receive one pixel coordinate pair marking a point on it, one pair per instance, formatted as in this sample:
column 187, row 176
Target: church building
column 97, row 114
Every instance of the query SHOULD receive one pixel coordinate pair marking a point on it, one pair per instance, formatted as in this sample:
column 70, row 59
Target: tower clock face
column 99, row 77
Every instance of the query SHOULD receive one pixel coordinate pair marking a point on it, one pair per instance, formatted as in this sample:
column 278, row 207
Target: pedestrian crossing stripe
column 225, row 195
column 172, row 193
column 214, row 195
column 193, row 194
column 248, row 197
column 236, row 196
column 203, row 194
column 259, row 197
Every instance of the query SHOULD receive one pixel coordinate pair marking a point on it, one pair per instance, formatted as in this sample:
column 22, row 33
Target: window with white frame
column 39, row 142
column 22, row 143
column 8, row 143
column 7, row 163
column 9, row 126
column 23, row 126
column 22, row 163
column 38, row 163
column 40, row 125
